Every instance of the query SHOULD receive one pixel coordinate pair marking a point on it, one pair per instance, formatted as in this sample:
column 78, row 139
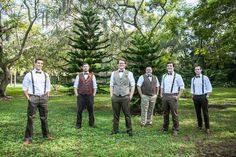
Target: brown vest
column 85, row 86
column 149, row 87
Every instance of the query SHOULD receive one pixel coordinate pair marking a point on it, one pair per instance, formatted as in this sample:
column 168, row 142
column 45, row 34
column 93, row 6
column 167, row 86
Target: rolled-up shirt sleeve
column 140, row 81
column 76, row 83
column 208, row 85
column 111, row 79
column 131, row 79
column 180, row 82
column 48, row 87
column 26, row 82
column 94, row 82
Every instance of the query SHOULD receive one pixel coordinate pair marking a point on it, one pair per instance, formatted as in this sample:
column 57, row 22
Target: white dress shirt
column 196, row 85
column 130, row 77
column 167, row 80
column 76, row 83
column 141, row 79
column 39, row 83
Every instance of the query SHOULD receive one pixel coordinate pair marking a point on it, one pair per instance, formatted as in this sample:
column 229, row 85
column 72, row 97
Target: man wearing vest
column 122, row 85
column 172, row 86
column 36, row 87
column 148, row 88
column 201, row 89
column 85, row 88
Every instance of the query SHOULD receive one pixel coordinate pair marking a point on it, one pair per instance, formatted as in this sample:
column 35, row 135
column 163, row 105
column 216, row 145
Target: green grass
column 148, row 141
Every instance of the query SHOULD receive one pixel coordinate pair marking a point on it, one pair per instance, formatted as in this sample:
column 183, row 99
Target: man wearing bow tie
column 148, row 88
column 36, row 86
column 122, row 85
column 172, row 87
column 201, row 89
column 85, row 88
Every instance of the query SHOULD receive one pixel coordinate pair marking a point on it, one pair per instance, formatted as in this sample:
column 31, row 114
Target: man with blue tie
column 172, row 87
column 85, row 88
column 122, row 86
column 36, row 86
column 201, row 89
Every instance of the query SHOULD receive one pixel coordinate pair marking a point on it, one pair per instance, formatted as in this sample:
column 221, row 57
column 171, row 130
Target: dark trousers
column 85, row 101
column 170, row 104
column 201, row 106
column 40, row 103
column 118, row 103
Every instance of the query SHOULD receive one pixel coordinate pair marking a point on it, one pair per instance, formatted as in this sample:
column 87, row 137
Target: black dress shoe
column 78, row 127
column 114, row 132
column 130, row 133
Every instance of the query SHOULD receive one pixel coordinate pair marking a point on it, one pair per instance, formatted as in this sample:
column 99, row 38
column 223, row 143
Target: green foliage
column 88, row 43
column 214, row 27
column 142, row 53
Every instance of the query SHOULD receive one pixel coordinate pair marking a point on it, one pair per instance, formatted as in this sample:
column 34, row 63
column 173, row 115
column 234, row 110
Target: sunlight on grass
column 147, row 141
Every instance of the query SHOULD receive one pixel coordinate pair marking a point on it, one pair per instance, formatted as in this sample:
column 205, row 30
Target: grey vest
column 121, row 85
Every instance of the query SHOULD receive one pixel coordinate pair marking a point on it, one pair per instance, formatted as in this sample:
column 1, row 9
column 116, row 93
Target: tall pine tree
column 141, row 53
column 89, row 44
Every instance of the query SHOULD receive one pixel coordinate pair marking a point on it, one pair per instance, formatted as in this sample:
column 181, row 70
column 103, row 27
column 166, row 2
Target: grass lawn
column 148, row 141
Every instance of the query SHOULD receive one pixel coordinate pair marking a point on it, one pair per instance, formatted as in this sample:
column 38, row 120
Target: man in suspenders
column 172, row 86
column 122, row 85
column 85, row 88
column 148, row 88
column 36, row 86
column 201, row 89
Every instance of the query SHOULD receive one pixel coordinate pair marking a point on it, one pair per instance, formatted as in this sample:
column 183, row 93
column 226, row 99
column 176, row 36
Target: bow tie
column 85, row 73
column 149, row 75
column 121, row 71
column 169, row 73
column 197, row 76
column 38, row 72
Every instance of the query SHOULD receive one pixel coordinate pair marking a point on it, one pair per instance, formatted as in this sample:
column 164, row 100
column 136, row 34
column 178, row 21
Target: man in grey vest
column 36, row 86
column 201, row 89
column 148, row 88
column 122, row 85
column 172, row 87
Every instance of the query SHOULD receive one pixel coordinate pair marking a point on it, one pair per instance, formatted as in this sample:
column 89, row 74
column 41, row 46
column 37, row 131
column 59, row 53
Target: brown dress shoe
column 26, row 142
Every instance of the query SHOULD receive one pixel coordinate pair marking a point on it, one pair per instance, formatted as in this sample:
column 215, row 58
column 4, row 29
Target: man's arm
column 132, row 92
column 111, row 91
column 139, row 91
column 161, row 93
column 94, row 91
column 26, row 94
column 157, row 88
column 76, row 91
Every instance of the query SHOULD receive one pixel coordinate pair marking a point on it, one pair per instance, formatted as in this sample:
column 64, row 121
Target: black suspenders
column 202, row 85
column 45, row 83
column 32, row 79
column 173, row 82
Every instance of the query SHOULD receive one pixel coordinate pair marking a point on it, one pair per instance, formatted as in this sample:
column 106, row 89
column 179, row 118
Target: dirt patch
column 225, row 148
column 221, row 106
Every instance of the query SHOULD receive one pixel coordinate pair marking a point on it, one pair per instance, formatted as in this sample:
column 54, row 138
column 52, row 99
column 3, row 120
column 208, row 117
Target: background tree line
column 68, row 32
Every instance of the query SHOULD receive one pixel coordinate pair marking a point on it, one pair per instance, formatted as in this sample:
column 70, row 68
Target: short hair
column 121, row 59
column 85, row 64
column 38, row 59
column 171, row 62
column 198, row 66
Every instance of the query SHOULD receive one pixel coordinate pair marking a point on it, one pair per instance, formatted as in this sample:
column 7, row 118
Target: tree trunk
column 5, row 80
